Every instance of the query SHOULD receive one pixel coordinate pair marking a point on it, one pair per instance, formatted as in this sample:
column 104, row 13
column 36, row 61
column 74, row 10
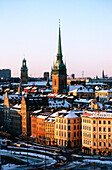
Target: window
column 94, row 122
column 55, row 82
column 99, row 128
column 77, row 120
column 74, row 127
column 104, row 144
column 74, row 142
column 104, row 136
column 94, row 144
column 108, row 122
column 104, row 122
column 77, row 141
column 99, row 121
column 74, row 134
column 77, row 133
column 69, row 134
column 74, row 121
column 94, row 129
column 77, row 126
column 94, row 136
column 109, row 136
column 109, row 144
column 100, row 136
column 69, row 121
column 99, row 143
column 104, row 129
column 68, row 127
column 109, row 129
column 64, row 127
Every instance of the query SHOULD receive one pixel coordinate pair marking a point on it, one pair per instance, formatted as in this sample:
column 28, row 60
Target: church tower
column 59, row 71
column 24, row 72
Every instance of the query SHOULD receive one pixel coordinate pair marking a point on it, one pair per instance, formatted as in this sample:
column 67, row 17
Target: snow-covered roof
column 71, row 114
column 38, row 83
column 50, row 120
column 47, row 90
column 96, row 84
column 74, row 87
column 82, row 90
column 42, row 116
column 17, row 106
column 27, row 88
column 104, row 91
column 37, row 111
column 56, row 113
column 82, row 101
column 98, row 115
column 59, row 103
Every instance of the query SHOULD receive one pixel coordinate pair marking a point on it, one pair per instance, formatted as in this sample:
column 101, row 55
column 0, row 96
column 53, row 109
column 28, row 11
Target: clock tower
column 24, row 72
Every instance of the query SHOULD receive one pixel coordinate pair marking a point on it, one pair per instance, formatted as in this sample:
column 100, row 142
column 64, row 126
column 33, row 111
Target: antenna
column 83, row 74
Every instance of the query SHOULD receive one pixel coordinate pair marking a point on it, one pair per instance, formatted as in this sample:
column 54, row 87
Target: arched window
column 55, row 82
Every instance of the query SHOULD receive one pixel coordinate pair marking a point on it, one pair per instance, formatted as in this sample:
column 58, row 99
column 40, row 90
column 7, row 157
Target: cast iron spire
column 59, row 53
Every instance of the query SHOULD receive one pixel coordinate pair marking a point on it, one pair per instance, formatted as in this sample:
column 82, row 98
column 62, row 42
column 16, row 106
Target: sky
column 29, row 29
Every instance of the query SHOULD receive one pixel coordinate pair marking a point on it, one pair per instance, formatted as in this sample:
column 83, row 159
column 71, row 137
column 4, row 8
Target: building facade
column 97, row 133
column 68, row 129
column 5, row 74
column 103, row 95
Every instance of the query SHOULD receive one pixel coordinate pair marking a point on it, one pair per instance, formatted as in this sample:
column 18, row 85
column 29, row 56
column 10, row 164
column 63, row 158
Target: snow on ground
column 98, row 161
column 9, row 166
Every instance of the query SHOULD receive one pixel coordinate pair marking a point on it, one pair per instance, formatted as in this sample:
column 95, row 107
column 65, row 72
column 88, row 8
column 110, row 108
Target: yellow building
column 49, row 131
column 68, row 129
column 97, row 133
column 103, row 95
column 82, row 92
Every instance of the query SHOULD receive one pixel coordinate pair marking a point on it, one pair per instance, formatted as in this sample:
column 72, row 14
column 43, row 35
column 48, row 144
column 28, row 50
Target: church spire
column 59, row 53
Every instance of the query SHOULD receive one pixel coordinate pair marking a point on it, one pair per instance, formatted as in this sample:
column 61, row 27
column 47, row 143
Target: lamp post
column 27, row 148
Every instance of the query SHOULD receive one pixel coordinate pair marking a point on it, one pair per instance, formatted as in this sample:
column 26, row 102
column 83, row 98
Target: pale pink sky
column 30, row 28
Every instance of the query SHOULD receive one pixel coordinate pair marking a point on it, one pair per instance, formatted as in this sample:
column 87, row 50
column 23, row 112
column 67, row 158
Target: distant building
column 103, row 76
column 12, row 118
column 103, row 95
column 72, row 76
column 5, row 74
column 46, row 75
column 24, row 73
column 82, row 92
column 59, row 72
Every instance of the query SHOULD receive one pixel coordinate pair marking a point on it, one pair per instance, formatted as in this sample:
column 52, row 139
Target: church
column 59, row 71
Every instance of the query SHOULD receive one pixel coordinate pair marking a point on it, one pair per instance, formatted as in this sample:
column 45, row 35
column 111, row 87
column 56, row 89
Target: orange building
column 38, row 127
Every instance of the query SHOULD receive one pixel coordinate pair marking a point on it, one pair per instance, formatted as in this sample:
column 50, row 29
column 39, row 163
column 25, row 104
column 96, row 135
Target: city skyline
column 30, row 29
